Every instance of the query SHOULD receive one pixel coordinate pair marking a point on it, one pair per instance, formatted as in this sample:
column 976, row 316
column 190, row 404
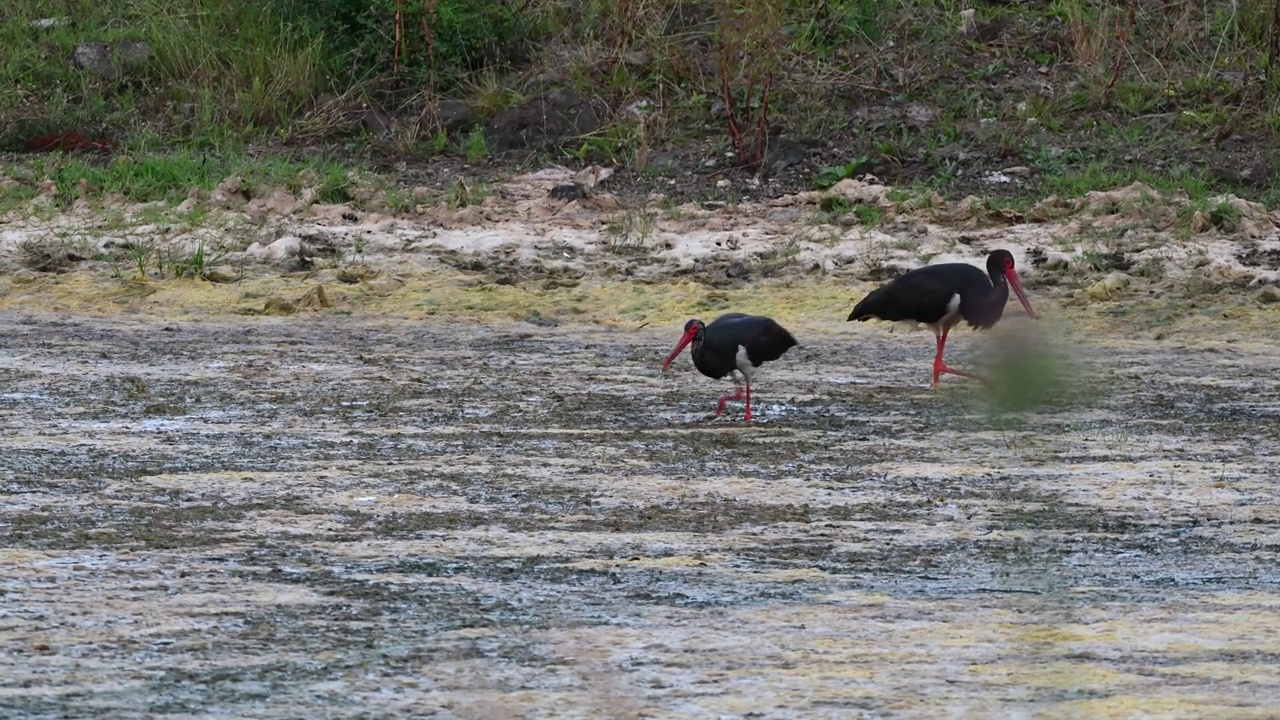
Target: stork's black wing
column 763, row 337
column 921, row 295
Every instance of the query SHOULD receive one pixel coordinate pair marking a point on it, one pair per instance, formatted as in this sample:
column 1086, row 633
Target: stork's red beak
column 684, row 340
column 1016, row 284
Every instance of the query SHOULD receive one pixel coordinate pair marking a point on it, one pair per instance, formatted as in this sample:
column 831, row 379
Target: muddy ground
column 335, row 515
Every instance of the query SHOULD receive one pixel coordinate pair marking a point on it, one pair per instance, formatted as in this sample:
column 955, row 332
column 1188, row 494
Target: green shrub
column 358, row 36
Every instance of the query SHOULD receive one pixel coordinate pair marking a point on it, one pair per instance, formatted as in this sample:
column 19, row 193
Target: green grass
column 219, row 70
column 227, row 75
column 170, row 176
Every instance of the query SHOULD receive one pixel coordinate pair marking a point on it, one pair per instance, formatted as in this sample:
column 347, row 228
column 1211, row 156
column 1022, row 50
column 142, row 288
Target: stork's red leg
column 727, row 398
column 748, row 401
column 940, row 367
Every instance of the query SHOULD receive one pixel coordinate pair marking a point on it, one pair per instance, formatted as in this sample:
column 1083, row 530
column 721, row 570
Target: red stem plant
column 750, row 53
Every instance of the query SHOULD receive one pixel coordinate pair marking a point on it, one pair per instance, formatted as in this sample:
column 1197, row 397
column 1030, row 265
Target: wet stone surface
column 318, row 517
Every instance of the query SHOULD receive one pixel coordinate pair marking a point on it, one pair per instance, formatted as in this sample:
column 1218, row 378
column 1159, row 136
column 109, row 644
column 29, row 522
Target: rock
column 861, row 191
column 454, row 116
column 376, row 122
column 663, row 161
column 1269, row 294
column 638, row 108
column 353, row 274
column 194, row 197
column 49, row 22
column 316, row 297
column 544, row 122
column 133, row 53
column 276, row 305
column 1200, row 222
column 783, row 154
column 279, row 202
column 307, row 177
column 1107, row 288
column 110, row 62
column 918, row 115
column 569, row 191
column 231, row 192
column 592, row 176
column 306, row 199
column 286, row 247
column 383, row 286
column 1257, row 174
column 603, row 201
column 96, row 57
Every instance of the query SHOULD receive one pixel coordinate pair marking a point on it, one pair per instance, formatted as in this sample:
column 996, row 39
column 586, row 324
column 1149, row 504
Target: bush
column 358, row 37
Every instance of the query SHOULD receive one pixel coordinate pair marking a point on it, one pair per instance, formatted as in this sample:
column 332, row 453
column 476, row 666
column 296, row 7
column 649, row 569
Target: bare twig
column 399, row 24
column 1273, row 52
column 1123, row 34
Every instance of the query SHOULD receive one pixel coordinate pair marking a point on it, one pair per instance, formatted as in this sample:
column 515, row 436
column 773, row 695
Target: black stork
column 942, row 295
column 733, row 343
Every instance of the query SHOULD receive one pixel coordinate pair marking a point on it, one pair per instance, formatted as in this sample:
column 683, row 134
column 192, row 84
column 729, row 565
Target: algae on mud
column 270, row 516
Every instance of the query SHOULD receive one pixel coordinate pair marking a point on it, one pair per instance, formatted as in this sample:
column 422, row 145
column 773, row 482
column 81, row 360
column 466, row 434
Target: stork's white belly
column 744, row 363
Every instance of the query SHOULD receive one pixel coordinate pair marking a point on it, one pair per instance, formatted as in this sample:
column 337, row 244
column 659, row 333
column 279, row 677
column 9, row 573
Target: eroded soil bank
column 328, row 515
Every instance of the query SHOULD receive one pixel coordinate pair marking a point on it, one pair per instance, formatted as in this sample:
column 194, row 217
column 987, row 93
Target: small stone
column 230, row 192
column 279, row 202
column 1108, row 287
column 110, row 62
column 194, row 197
column 454, row 115
column 286, row 247
column 1269, row 294
column 378, row 123
column 570, row 191
column 1200, row 222
column 278, row 306
column 316, row 297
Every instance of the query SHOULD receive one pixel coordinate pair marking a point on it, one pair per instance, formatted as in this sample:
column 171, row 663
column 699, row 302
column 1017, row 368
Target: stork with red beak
column 733, row 343
column 943, row 295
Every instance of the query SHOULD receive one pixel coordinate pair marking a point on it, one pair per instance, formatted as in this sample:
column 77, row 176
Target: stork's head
column 1000, row 265
column 693, row 332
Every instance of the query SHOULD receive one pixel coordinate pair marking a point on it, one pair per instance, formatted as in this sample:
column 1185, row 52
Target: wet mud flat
column 333, row 517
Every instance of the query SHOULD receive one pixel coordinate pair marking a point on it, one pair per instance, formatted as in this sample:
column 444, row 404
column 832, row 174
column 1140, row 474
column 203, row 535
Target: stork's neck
column 998, row 296
column 985, row 304
column 695, row 348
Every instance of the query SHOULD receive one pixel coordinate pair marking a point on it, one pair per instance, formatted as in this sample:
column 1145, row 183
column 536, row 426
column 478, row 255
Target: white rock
column 287, row 246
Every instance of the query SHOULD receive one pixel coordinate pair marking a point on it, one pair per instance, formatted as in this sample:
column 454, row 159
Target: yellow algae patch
column 1221, row 707
column 443, row 291
column 1260, row 672
column 1063, row 674
column 15, row 557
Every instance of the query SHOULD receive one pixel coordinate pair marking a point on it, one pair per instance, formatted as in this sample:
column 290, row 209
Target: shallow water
column 339, row 518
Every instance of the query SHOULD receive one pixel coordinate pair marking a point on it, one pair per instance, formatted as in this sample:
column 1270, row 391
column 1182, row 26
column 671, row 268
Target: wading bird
column 734, row 342
column 942, row 295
